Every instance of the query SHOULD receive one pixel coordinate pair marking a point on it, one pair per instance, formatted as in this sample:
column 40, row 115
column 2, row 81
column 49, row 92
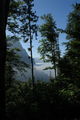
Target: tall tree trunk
column 58, row 57
column 32, row 69
column 55, row 68
column 4, row 7
column 54, row 62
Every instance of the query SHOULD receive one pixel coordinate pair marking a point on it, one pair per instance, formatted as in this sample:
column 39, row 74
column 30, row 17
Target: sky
column 59, row 10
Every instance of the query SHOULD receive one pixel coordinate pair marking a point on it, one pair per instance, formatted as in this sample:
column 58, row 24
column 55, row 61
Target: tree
column 73, row 27
column 49, row 46
column 22, row 23
column 73, row 46
column 4, row 8
column 30, row 28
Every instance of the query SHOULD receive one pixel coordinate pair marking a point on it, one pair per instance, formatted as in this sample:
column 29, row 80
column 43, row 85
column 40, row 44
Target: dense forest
column 58, row 99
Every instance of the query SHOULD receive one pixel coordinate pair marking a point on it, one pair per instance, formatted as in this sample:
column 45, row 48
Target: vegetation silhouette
column 60, row 97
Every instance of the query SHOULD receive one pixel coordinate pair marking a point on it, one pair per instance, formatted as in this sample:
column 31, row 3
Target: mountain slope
column 39, row 65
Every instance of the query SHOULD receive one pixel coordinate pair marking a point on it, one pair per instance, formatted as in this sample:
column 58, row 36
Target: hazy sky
column 59, row 10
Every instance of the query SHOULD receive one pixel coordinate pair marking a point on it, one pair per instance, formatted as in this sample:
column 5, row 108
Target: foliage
column 13, row 27
column 49, row 47
column 22, row 22
column 30, row 29
column 59, row 98
column 13, row 61
column 73, row 23
column 50, row 100
column 72, row 57
column 28, row 19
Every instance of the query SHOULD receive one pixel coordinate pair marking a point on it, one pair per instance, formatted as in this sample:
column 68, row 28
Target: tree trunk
column 32, row 69
column 54, row 62
column 4, row 7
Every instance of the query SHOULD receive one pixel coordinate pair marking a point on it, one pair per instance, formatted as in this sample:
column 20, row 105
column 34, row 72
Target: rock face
column 39, row 73
column 22, row 52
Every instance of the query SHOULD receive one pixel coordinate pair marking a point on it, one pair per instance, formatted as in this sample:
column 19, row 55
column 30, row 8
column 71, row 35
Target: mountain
column 39, row 65
column 21, row 52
